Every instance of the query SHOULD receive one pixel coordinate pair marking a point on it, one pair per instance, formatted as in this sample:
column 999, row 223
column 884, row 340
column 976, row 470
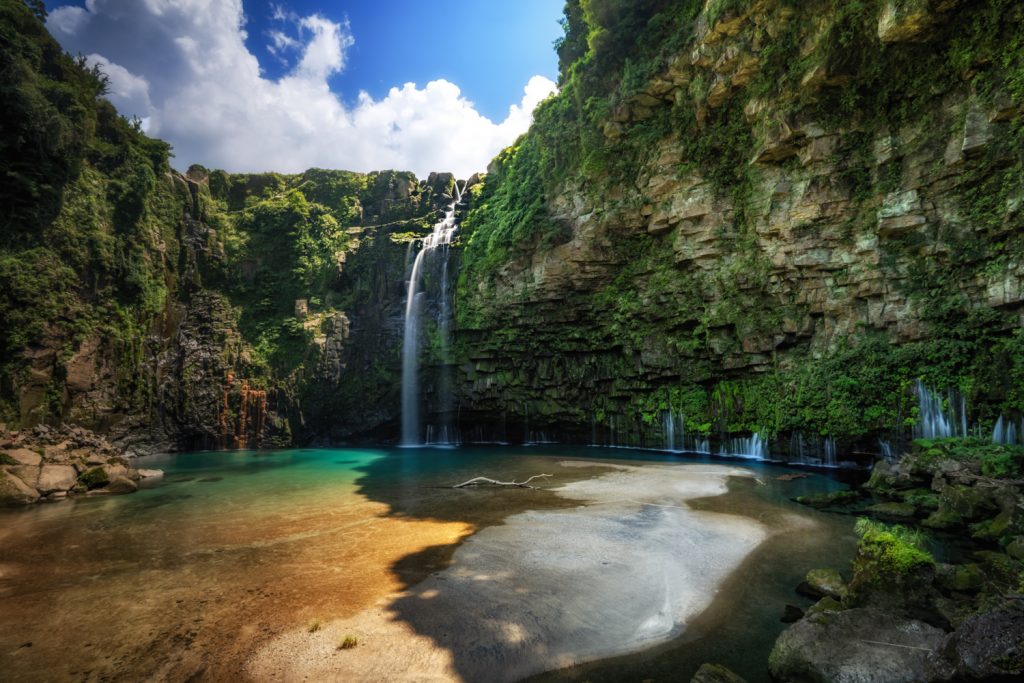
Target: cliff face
column 737, row 217
column 204, row 310
column 774, row 225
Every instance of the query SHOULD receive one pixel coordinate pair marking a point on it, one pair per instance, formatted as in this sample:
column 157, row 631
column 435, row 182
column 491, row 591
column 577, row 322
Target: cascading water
column 437, row 241
column 676, row 439
column 939, row 419
column 1006, row 432
column 750, row 447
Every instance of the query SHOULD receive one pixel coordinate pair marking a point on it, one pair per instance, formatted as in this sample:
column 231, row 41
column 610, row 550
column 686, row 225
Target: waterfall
column 439, row 239
column 750, row 447
column 939, row 419
column 1005, row 431
column 676, row 439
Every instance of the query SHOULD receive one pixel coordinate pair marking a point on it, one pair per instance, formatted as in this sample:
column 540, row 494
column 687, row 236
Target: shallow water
column 195, row 575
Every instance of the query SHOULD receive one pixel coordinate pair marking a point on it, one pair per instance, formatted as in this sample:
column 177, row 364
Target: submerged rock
column 857, row 645
column 821, row 583
column 716, row 673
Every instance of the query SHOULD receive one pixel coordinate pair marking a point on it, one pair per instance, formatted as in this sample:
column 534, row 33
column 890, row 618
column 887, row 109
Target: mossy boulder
column 892, row 570
column 826, row 604
column 716, row 673
column 844, row 646
column 831, row 499
column 963, row 578
column 892, row 511
column 821, row 583
column 988, row 646
column 94, row 478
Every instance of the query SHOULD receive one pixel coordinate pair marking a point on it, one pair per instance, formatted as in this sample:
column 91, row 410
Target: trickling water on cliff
column 676, row 438
column 938, row 418
column 752, row 446
column 1006, row 432
column 437, row 241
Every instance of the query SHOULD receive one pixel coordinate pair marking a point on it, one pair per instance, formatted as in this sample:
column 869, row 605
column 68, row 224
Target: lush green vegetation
column 890, row 550
column 89, row 211
column 593, row 138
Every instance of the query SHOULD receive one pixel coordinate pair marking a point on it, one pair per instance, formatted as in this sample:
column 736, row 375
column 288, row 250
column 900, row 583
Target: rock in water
column 715, row 673
column 821, row 583
column 857, row 645
column 986, row 647
column 791, row 614
column 122, row 485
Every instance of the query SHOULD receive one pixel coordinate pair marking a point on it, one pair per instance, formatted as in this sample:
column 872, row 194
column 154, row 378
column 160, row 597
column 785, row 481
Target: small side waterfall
column 939, row 419
column 1006, row 432
column 749, row 447
column 437, row 241
column 676, row 439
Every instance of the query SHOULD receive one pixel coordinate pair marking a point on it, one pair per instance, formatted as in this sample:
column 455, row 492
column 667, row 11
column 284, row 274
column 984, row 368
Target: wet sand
column 625, row 569
column 219, row 572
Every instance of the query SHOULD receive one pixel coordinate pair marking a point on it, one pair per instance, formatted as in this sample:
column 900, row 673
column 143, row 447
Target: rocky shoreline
column 45, row 464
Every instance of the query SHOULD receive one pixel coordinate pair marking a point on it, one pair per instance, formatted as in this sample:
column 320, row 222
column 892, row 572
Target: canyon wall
column 763, row 217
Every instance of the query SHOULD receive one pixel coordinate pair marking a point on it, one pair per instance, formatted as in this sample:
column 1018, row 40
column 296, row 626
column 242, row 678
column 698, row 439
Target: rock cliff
column 773, row 225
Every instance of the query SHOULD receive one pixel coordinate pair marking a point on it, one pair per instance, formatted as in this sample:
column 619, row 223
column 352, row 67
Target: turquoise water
column 191, row 573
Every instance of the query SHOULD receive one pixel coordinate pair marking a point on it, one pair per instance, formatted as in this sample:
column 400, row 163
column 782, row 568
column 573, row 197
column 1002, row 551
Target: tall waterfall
column 437, row 241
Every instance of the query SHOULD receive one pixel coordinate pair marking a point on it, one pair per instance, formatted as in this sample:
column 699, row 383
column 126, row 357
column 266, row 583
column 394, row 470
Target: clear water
column 188, row 577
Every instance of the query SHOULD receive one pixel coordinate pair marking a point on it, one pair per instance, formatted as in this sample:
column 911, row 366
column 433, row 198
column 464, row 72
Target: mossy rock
column 943, row 519
column 892, row 569
column 963, row 578
column 1015, row 548
column 826, row 604
column 893, row 511
column 923, row 499
column 716, row 673
column 94, row 478
column 832, row 499
column 820, row 583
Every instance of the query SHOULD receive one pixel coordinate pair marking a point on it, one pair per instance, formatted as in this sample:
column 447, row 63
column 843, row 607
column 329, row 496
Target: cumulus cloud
column 183, row 67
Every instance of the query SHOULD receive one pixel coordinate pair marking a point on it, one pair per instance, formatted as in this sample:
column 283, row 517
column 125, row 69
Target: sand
column 627, row 569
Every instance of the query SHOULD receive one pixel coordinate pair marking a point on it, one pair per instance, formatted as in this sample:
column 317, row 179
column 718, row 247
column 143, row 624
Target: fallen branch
column 906, row 647
column 484, row 481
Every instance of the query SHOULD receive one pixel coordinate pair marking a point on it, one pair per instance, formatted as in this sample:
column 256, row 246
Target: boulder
column 56, row 478
column 122, row 485
column 988, row 646
column 716, row 673
column 23, row 456
column 791, row 614
column 862, row 645
column 892, row 510
column 13, row 491
column 150, row 474
column 821, row 583
column 962, row 578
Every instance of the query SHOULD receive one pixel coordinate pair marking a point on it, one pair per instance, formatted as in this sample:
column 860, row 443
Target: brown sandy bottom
column 625, row 570
column 145, row 601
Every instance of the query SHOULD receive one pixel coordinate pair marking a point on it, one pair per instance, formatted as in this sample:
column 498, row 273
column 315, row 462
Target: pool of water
column 195, row 574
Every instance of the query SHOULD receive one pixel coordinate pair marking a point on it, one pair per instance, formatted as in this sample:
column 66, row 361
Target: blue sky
column 253, row 85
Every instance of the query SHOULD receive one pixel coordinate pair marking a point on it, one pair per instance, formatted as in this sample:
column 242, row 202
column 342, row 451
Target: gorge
column 755, row 271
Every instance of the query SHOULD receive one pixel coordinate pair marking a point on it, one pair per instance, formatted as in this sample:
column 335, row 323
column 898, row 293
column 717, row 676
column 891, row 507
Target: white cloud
column 128, row 92
column 182, row 65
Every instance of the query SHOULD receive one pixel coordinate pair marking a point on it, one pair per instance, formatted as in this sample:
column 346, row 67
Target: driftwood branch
column 484, row 481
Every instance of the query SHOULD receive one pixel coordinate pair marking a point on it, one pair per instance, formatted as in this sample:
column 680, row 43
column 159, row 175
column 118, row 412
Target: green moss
column 889, row 550
column 94, row 478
